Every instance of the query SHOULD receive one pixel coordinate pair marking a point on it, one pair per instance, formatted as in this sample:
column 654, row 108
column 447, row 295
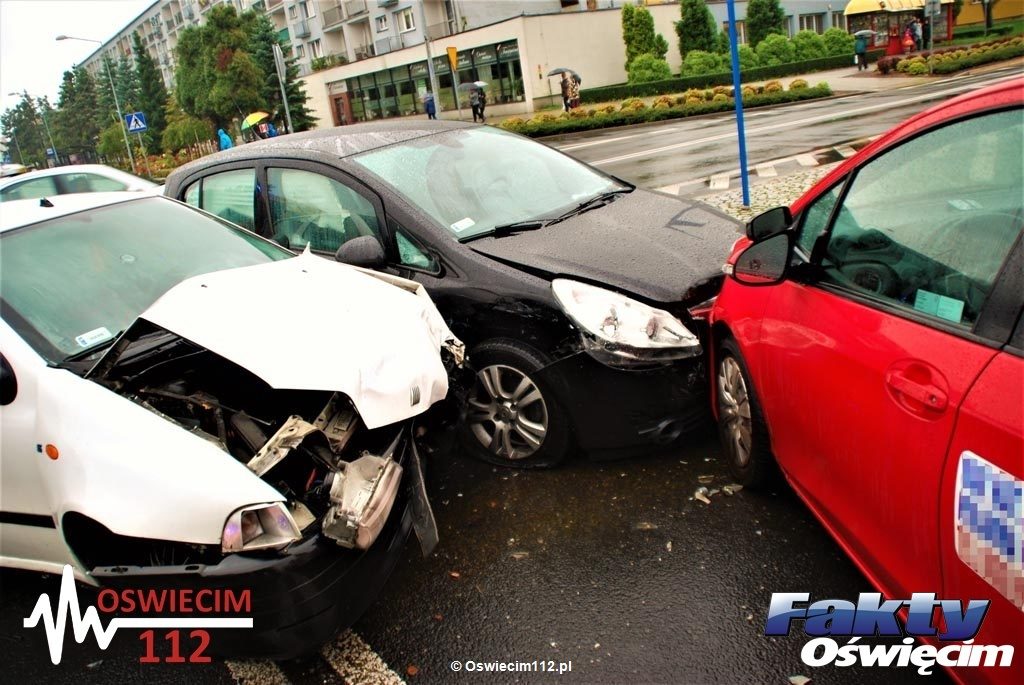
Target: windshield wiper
column 89, row 351
column 509, row 229
column 593, row 203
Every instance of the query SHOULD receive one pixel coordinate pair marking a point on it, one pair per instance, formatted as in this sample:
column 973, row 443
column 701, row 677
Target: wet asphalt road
column 690, row 150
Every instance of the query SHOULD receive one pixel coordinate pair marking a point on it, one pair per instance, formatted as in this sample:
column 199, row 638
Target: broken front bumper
column 304, row 595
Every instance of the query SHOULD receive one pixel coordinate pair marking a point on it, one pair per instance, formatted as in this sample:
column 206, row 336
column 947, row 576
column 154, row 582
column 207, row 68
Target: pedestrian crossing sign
column 136, row 122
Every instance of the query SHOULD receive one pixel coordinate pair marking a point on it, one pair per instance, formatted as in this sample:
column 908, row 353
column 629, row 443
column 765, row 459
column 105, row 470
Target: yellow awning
column 866, row 6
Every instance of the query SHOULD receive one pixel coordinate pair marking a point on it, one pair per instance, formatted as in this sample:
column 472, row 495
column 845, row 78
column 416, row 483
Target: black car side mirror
column 769, row 223
column 8, row 382
column 365, row 251
column 765, row 262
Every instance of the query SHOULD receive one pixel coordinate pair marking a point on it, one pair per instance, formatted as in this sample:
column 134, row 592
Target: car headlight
column 620, row 331
column 259, row 526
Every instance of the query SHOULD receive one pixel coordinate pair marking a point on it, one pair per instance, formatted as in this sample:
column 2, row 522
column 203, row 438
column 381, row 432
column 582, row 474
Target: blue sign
column 136, row 122
column 49, row 152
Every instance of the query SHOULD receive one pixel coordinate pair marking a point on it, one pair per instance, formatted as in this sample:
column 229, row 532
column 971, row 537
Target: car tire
column 512, row 418
column 741, row 425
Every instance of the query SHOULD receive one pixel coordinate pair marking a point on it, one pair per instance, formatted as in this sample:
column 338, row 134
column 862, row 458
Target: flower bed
column 636, row 111
column 952, row 59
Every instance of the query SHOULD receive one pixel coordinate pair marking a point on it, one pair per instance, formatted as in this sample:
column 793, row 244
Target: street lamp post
column 113, row 88
column 42, row 113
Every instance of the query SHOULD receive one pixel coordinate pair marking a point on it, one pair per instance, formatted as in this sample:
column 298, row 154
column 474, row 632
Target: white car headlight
column 259, row 526
column 621, row 331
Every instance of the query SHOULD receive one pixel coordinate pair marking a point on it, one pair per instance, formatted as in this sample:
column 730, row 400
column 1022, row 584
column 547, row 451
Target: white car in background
column 185, row 404
column 76, row 178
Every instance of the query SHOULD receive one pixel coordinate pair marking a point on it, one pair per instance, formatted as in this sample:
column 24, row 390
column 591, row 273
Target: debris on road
column 646, row 525
column 704, row 480
column 412, row 670
column 517, row 556
column 454, row 575
column 668, row 546
column 701, row 494
column 731, row 489
column 799, row 679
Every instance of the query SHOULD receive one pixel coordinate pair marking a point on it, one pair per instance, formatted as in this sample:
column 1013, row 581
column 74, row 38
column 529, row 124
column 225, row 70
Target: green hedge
column 679, row 85
column 949, row 66
column 536, row 129
column 980, row 32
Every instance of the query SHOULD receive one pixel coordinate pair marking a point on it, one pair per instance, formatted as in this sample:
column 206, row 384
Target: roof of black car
column 344, row 140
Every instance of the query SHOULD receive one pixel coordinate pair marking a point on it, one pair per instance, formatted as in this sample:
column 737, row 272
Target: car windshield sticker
column 989, row 535
column 941, row 306
column 96, row 335
column 463, row 224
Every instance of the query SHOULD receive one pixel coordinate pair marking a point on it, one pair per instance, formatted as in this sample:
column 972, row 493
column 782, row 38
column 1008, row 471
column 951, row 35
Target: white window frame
column 841, row 24
column 300, row 50
column 308, row 8
column 816, row 21
column 741, row 30
column 293, row 12
column 316, row 49
column 406, row 20
column 382, row 23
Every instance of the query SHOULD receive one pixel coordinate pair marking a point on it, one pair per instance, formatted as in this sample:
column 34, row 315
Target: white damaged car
column 184, row 404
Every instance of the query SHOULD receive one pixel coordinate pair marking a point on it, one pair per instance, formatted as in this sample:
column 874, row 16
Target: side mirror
column 769, row 223
column 8, row 382
column 365, row 251
column 765, row 262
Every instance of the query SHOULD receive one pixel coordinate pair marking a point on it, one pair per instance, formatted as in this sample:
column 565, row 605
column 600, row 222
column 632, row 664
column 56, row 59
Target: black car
column 571, row 288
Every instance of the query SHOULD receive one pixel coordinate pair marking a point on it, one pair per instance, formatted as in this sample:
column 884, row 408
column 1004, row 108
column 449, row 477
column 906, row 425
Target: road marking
column 845, row 150
column 671, row 190
column 766, row 170
column 355, row 662
column 255, row 672
column 807, row 160
column 719, row 182
column 789, row 124
column 590, row 143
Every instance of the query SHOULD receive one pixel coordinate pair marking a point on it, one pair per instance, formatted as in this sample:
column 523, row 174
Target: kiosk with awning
column 888, row 19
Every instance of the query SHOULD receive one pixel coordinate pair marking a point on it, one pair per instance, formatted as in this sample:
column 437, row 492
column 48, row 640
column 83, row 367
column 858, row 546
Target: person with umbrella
column 860, row 48
column 474, row 103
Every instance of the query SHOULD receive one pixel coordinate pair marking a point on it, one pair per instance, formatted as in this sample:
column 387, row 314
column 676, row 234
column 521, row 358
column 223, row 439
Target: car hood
column 647, row 244
column 311, row 324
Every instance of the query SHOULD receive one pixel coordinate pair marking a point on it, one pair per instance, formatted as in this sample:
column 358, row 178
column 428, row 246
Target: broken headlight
column 621, row 331
column 259, row 526
column 361, row 498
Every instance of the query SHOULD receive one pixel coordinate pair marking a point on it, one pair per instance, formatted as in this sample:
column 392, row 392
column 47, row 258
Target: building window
column 406, row 21
column 316, row 50
column 300, row 51
column 382, row 23
column 293, row 13
column 308, row 9
column 788, row 25
column 839, row 20
column 812, row 22
column 741, row 30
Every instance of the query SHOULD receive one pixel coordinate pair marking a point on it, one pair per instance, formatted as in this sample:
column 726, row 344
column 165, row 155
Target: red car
column 869, row 345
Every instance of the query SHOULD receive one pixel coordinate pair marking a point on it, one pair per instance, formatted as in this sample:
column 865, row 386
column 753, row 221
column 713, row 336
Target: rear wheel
column 512, row 416
column 741, row 424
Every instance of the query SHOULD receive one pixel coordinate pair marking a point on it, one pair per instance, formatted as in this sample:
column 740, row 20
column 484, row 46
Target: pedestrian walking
column 566, row 89
column 860, row 49
column 574, row 93
column 430, row 106
column 474, row 104
column 915, row 28
column 224, row 139
column 483, row 104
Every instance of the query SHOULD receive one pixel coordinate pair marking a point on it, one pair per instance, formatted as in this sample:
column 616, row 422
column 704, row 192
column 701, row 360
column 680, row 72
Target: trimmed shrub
column 748, row 58
column 837, row 42
column 773, row 87
column 798, row 84
column 917, row 68
column 720, row 97
column 632, row 105
column 646, row 68
column 775, row 49
column 808, row 45
column 699, row 62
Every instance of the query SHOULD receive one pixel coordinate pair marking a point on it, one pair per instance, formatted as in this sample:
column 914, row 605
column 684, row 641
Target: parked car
column 571, row 288
column 184, row 404
column 75, row 178
column 869, row 342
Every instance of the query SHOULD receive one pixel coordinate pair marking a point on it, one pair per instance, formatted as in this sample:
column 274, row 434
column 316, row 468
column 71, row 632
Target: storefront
column 400, row 91
column 889, row 19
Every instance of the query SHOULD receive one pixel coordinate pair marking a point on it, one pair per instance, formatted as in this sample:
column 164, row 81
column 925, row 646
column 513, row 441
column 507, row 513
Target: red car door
column 863, row 366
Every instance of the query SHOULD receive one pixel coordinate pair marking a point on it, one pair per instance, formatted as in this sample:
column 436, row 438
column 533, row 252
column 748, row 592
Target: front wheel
column 741, row 424
column 512, row 417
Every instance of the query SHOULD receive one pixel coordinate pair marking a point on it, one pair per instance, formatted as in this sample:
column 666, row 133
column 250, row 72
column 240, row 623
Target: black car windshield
column 74, row 282
column 471, row 180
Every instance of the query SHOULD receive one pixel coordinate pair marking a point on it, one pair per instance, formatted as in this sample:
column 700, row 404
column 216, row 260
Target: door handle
column 928, row 395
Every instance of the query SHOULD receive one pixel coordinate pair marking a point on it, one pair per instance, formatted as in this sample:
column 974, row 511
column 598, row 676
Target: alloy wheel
column 507, row 412
column 734, row 409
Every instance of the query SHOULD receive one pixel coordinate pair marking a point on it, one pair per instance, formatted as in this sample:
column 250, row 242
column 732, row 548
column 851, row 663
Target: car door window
column 30, row 190
column 412, row 253
column 229, row 194
column 308, row 208
column 927, row 225
column 92, row 183
column 815, row 218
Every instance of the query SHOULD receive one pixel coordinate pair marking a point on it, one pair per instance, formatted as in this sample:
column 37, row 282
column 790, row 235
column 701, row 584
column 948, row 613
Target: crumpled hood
column 644, row 243
column 311, row 324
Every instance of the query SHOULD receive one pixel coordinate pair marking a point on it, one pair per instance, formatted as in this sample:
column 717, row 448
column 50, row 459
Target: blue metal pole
column 738, row 96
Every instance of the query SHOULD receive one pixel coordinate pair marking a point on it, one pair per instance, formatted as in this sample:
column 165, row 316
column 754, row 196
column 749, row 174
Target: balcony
column 354, row 8
column 283, row 37
column 301, row 29
column 189, row 13
column 386, row 3
column 385, row 45
column 332, row 17
column 328, row 61
column 441, row 30
column 275, row 5
column 362, row 51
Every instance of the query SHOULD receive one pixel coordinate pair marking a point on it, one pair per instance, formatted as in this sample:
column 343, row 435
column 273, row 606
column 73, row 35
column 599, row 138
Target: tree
column 775, row 49
column 104, row 95
column 22, row 122
column 639, row 36
column 127, row 82
column 262, row 38
column 152, row 93
column 808, row 45
column 763, row 17
column 182, row 129
column 837, row 42
column 700, row 62
column 697, row 29
column 216, row 77
column 649, row 67
column 76, row 124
